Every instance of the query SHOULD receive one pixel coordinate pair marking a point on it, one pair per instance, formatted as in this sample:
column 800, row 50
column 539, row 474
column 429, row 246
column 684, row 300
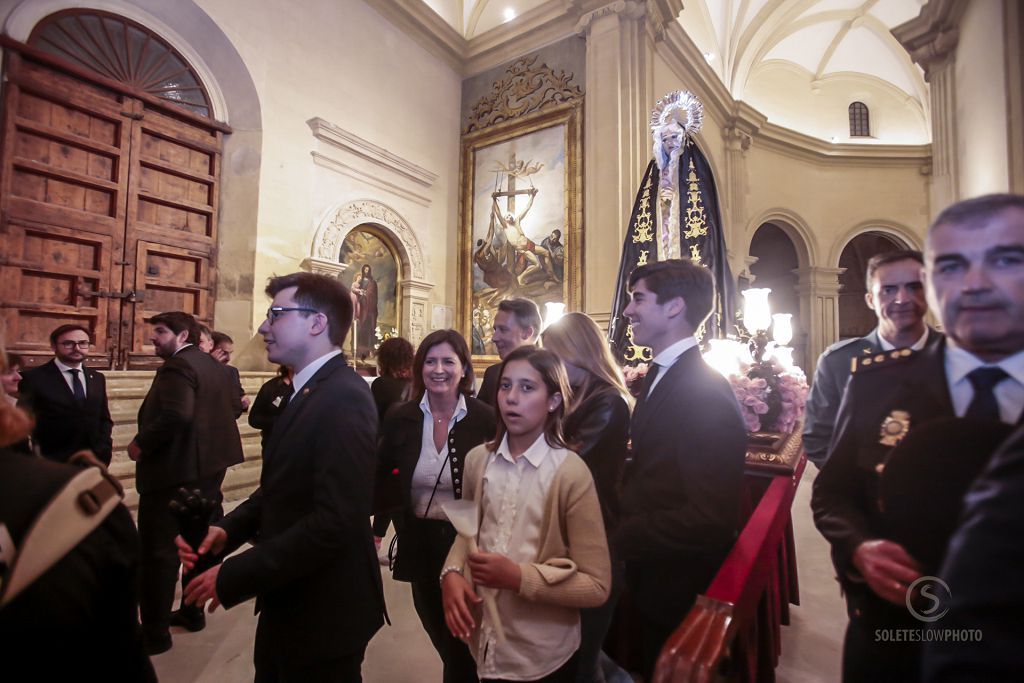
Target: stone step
column 125, row 392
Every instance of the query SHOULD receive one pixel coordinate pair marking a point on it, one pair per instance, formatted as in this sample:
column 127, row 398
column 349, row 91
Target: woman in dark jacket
column 598, row 428
column 420, row 461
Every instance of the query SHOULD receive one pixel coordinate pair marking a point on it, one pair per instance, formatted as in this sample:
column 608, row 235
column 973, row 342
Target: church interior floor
column 401, row 653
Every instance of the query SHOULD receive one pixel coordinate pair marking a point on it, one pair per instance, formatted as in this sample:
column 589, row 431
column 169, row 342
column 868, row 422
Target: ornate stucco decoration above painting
column 526, row 89
column 340, row 220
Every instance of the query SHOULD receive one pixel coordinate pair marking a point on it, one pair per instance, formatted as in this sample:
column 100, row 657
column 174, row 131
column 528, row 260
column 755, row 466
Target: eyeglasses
column 72, row 344
column 275, row 312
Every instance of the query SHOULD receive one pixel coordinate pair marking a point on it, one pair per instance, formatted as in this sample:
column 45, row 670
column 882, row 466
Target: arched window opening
column 855, row 318
column 860, row 124
column 125, row 51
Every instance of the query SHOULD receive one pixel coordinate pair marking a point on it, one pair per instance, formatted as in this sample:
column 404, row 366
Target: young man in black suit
column 681, row 501
column 68, row 400
column 516, row 324
column 187, row 438
column 314, row 572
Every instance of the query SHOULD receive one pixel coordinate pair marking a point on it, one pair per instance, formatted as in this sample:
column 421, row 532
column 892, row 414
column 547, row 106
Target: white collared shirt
column 307, row 372
column 916, row 346
column 668, row 358
column 539, row 638
column 69, row 378
column 431, row 467
column 1009, row 393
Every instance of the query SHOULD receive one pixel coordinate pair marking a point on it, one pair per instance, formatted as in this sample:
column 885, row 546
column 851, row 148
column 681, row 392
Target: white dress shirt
column 916, row 346
column 1009, row 393
column 69, row 378
column 538, row 638
column 668, row 358
column 432, row 467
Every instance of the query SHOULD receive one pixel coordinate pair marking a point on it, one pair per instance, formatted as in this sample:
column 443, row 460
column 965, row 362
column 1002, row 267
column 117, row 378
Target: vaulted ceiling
column 800, row 62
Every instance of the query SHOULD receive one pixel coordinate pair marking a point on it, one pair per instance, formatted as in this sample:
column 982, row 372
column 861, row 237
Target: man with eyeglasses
column 314, row 572
column 68, row 400
column 187, row 438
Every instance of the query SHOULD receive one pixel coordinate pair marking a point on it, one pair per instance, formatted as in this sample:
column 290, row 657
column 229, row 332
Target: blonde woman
column 598, row 428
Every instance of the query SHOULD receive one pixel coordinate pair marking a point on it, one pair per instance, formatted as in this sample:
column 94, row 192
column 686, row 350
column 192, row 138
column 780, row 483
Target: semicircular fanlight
column 125, row 51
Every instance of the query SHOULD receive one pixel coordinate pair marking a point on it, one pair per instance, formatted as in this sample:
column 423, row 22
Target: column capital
column 931, row 37
column 659, row 13
column 320, row 266
column 818, row 280
column 420, row 289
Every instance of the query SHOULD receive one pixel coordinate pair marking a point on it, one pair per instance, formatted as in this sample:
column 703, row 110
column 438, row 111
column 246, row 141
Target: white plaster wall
column 981, row 112
column 341, row 61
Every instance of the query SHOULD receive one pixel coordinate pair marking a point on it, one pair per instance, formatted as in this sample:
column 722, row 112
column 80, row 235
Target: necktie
column 652, row 374
column 984, row 404
column 76, row 385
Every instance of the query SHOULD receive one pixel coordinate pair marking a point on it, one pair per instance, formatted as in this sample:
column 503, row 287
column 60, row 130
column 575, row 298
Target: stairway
column 127, row 388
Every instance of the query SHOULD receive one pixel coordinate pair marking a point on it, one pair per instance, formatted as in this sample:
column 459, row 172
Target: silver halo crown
column 679, row 106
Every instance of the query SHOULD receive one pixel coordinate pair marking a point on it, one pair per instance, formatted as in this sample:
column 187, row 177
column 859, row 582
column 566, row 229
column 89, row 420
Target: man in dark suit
column 68, row 400
column 974, row 260
column 516, row 324
column 681, row 501
column 314, row 572
column 187, row 438
column 895, row 284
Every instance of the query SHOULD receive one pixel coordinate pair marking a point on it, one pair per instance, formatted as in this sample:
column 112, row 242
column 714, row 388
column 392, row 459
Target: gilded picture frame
column 520, row 184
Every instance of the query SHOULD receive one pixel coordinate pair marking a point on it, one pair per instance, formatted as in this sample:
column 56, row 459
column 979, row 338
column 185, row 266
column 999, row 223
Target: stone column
column 415, row 306
column 931, row 40
column 818, row 288
column 616, row 140
column 734, row 189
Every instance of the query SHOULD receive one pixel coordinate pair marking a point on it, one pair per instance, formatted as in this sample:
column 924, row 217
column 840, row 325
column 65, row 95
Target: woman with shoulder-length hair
column 598, row 426
column 420, row 466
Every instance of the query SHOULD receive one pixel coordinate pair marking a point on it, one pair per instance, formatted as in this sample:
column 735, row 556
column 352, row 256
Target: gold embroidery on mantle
column 643, row 230
column 634, row 352
column 524, row 90
column 696, row 222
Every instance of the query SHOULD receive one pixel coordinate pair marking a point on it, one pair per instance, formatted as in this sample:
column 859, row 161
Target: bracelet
column 448, row 570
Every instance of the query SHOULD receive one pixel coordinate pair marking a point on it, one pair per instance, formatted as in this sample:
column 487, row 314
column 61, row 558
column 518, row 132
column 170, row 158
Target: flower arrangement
column 634, row 376
column 771, row 395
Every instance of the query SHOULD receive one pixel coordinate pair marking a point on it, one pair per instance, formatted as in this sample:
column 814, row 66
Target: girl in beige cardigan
column 542, row 540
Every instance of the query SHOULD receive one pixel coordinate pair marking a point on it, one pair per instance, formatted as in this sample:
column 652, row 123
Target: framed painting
column 372, row 276
column 520, row 225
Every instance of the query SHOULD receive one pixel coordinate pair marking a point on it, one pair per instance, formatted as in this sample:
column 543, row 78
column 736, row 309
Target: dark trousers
column 870, row 660
column 563, row 674
column 459, row 666
column 594, row 625
column 159, row 566
column 272, row 667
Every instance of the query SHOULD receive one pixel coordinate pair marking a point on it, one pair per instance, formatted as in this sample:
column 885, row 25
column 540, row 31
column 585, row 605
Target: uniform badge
column 895, row 427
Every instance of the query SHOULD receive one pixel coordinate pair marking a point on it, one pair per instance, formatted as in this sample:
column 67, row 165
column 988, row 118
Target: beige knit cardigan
column 572, row 568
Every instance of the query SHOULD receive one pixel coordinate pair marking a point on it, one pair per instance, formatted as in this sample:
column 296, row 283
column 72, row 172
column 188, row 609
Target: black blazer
column 681, row 500
column 62, row 426
column 87, row 601
column 314, row 571
column 489, row 385
column 598, row 430
column 268, row 406
column 830, row 377
column 845, row 494
column 187, row 427
column 397, row 454
column 983, row 567
column 387, row 391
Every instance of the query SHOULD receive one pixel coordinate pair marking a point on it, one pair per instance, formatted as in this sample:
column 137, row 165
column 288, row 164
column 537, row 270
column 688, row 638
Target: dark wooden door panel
column 109, row 211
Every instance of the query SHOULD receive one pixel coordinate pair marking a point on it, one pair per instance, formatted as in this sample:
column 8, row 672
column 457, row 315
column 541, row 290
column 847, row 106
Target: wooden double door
column 108, row 212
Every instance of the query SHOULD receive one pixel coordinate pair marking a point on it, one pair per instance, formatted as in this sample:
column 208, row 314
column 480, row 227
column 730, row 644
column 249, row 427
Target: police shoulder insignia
column 880, row 359
column 894, row 427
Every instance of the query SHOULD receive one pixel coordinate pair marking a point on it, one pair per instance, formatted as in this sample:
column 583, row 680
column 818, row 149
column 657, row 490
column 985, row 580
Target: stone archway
column 339, row 220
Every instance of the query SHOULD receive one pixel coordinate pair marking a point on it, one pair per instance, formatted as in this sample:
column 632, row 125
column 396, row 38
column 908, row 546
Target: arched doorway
column 855, row 318
column 111, row 170
column 777, row 259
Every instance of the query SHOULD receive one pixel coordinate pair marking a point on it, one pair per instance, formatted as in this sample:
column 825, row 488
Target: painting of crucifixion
column 521, row 224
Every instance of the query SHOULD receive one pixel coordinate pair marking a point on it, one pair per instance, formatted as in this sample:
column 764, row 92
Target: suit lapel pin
column 895, row 427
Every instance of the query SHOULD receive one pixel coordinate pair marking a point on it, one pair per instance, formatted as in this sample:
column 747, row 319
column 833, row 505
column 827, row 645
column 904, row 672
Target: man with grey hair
column 974, row 273
column 516, row 324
